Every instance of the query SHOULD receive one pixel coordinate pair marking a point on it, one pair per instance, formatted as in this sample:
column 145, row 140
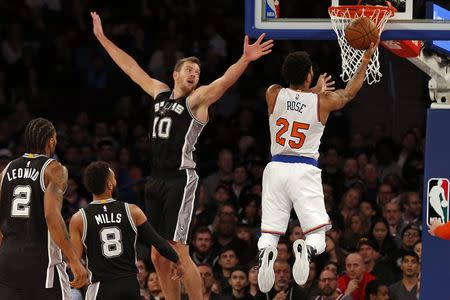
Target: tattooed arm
column 334, row 100
column 56, row 182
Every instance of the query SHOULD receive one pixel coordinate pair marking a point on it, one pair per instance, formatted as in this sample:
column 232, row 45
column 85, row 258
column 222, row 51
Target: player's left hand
column 324, row 83
column 177, row 271
column 257, row 49
column 433, row 226
column 79, row 274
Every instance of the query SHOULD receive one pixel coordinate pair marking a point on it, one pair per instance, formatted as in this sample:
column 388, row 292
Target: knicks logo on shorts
column 437, row 200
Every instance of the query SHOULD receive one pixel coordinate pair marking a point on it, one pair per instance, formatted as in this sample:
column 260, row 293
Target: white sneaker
column 266, row 274
column 300, row 270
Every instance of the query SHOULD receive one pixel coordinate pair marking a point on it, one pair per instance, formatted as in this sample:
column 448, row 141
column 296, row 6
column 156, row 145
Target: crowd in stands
column 52, row 66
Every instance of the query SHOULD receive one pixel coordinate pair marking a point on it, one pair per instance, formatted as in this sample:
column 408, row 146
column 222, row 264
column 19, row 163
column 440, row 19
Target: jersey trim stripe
column 192, row 114
column 83, row 239
column 186, row 207
column 2, row 175
column 190, row 140
column 64, row 281
column 130, row 219
column 92, row 291
column 318, row 108
column 326, row 227
column 42, row 175
column 50, row 271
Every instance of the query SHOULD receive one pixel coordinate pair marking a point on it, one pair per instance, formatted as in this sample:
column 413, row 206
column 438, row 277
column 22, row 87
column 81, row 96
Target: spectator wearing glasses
column 328, row 287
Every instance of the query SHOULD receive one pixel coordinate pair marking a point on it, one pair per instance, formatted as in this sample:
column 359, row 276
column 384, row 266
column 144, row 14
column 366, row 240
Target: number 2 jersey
column 174, row 134
column 28, row 256
column 109, row 237
column 295, row 128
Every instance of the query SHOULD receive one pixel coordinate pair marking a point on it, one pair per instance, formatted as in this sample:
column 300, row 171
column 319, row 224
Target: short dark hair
column 95, row 177
column 296, row 67
column 411, row 254
column 181, row 61
column 372, row 288
column 37, row 134
column 239, row 268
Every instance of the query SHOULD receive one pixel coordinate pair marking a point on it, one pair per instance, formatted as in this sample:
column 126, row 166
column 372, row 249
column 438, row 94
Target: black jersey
column 28, row 256
column 174, row 134
column 109, row 236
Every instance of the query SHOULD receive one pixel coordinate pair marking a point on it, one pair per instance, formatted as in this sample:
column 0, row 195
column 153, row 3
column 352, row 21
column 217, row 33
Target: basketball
column 361, row 32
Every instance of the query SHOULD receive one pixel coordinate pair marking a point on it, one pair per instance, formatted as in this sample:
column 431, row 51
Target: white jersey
column 295, row 128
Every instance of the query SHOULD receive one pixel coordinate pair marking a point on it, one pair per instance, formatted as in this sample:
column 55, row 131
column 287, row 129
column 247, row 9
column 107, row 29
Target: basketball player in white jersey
column 297, row 117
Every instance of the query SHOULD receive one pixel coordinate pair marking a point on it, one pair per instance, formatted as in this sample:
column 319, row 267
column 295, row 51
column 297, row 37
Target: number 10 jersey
column 109, row 237
column 174, row 134
column 295, row 127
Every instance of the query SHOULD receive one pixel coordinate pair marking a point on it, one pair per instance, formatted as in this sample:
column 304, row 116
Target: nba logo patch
column 437, row 200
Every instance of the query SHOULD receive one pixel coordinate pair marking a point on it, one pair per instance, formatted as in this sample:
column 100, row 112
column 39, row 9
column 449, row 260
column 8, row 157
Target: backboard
column 309, row 20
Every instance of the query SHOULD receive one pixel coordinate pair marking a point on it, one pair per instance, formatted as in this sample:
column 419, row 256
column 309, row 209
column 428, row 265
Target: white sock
column 317, row 241
column 268, row 239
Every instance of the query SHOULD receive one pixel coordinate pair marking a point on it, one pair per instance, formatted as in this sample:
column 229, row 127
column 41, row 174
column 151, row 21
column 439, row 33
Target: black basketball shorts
column 170, row 204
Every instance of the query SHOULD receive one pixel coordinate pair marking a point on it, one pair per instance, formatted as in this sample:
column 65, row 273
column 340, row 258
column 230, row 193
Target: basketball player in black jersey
column 33, row 230
column 180, row 115
column 107, row 230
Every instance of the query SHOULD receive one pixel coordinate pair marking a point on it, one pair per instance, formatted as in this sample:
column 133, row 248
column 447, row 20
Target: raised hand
column 257, row 49
column 97, row 24
column 371, row 50
column 433, row 226
column 324, row 83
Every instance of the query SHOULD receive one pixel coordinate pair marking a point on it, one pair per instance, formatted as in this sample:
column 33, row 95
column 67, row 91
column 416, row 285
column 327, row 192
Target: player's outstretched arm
column 339, row 98
column 150, row 85
column 208, row 94
column 56, row 183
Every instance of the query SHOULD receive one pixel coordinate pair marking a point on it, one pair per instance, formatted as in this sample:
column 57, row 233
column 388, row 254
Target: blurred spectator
column 202, row 250
column 224, row 174
column 284, row 248
column 369, row 253
column 328, row 287
column 253, row 282
column 385, row 194
column 379, row 233
column 393, row 215
column 227, row 261
column 355, row 280
column 412, row 208
column 406, row 289
column 153, row 286
column 207, row 275
column 142, row 274
column 377, row 290
column 370, row 179
column 283, row 288
column 239, row 282
column 72, row 200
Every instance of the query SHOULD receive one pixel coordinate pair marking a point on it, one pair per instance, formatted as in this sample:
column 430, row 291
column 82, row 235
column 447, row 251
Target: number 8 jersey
column 109, row 238
column 295, row 128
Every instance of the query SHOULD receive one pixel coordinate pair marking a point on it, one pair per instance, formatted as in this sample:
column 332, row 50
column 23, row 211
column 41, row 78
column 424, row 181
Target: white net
column 351, row 57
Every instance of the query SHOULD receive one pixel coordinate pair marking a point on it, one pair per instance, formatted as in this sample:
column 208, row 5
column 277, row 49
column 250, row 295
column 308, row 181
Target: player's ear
column 175, row 75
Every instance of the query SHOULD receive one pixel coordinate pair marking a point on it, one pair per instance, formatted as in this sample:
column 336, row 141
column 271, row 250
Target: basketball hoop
column 341, row 16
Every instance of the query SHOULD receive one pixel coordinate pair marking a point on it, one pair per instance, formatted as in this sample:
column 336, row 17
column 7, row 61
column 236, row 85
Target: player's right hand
column 371, row 50
column 177, row 271
column 97, row 24
column 79, row 274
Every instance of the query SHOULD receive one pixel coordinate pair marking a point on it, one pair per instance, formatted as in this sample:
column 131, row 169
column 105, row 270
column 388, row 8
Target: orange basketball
column 361, row 32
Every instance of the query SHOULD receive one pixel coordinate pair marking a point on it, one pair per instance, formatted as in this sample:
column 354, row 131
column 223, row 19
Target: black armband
column 149, row 236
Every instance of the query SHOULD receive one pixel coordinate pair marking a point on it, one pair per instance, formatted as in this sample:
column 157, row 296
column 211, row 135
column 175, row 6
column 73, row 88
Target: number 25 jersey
column 109, row 237
column 295, row 128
